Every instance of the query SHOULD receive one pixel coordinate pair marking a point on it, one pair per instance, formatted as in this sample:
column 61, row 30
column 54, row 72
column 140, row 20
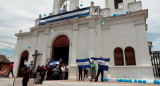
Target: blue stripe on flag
column 82, row 60
column 103, row 59
column 101, row 67
column 83, row 63
column 84, row 66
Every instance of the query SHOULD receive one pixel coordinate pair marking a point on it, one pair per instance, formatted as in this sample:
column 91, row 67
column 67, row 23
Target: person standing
column 59, row 68
column 26, row 74
column 56, row 73
column 42, row 73
column 80, row 74
column 63, row 71
column 100, row 71
column 49, row 73
column 66, row 71
column 31, row 66
column 38, row 75
column 85, row 74
column 93, row 70
column 11, row 69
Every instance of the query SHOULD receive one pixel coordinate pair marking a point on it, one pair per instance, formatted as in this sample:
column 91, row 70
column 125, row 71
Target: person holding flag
column 82, row 63
column 103, row 64
column 93, row 70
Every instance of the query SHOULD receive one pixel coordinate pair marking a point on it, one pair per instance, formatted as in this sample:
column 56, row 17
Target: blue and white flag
column 54, row 63
column 83, row 63
column 103, row 63
column 65, row 16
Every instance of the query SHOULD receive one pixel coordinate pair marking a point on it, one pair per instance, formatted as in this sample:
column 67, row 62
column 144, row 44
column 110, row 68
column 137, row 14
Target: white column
column 73, row 5
column 56, row 7
column 73, row 50
column 106, row 4
column 45, row 56
column 99, row 39
column 92, row 41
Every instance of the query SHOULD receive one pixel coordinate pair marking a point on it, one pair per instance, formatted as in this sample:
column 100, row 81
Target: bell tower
column 57, row 4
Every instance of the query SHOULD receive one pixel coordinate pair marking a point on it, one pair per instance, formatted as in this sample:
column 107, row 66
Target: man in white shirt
column 63, row 72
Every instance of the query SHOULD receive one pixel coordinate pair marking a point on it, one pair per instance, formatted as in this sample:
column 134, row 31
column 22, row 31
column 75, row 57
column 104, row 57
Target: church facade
column 117, row 32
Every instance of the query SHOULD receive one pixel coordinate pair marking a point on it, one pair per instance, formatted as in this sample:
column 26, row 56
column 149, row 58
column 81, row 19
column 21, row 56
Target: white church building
column 117, row 32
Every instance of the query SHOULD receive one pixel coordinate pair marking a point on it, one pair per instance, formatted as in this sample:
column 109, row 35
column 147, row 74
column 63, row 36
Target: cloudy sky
column 21, row 14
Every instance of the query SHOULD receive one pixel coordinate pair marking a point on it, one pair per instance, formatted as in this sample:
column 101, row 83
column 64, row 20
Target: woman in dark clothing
column 42, row 73
column 49, row 73
column 26, row 74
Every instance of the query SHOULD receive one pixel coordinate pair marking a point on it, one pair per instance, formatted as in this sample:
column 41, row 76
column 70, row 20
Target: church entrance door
column 24, row 58
column 61, row 49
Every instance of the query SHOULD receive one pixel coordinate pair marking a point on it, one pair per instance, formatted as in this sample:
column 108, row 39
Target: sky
column 21, row 14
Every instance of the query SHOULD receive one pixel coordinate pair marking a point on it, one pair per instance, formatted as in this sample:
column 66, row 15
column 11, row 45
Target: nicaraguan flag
column 103, row 63
column 54, row 63
column 83, row 63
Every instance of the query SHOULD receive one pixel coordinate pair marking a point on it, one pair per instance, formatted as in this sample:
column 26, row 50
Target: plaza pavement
column 18, row 82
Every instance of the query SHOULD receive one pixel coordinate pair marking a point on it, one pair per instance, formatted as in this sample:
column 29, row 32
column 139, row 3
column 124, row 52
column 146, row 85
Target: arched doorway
column 24, row 57
column 61, row 49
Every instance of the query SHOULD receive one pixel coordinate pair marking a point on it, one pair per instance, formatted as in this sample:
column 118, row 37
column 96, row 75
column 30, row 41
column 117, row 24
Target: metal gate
column 155, row 59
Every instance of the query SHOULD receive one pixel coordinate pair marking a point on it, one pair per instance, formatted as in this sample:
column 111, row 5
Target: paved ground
column 18, row 82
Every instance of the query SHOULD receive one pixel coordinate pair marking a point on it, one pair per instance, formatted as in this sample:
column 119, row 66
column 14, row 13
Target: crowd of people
column 48, row 72
column 53, row 72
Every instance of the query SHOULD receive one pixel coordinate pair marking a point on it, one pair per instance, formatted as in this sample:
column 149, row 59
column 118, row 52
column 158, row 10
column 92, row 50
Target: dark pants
column 25, row 82
column 42, row 78
column 10, row 71
column 80, row 74
column 99, row 71
column 66, row 75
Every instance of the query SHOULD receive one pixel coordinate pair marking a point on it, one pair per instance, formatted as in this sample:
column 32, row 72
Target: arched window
column 130, row 56
column 118, row 57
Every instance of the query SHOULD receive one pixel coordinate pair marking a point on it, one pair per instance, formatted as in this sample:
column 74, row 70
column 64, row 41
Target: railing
column 155, row 59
